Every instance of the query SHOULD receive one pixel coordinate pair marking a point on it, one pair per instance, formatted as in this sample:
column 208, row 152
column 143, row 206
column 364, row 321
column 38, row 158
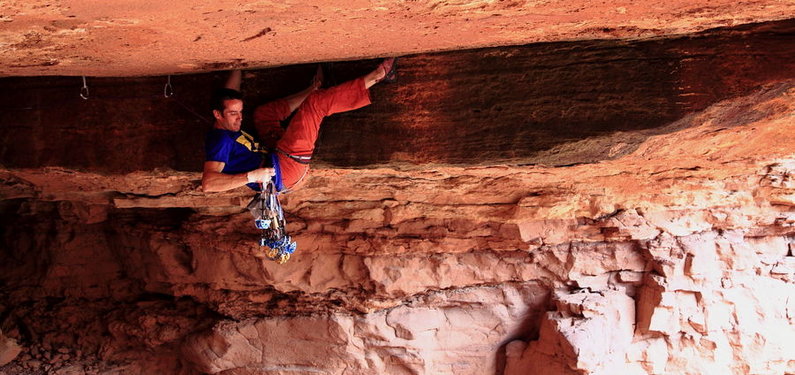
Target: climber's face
column 232, row 116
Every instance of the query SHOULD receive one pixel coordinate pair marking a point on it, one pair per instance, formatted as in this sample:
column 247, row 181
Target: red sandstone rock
column 589, row 331
column 444, row 332
column 709, row 286
column 8, row 349
column 671, row 257
column 147, row 38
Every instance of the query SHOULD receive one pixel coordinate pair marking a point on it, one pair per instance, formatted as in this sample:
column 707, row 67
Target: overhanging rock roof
column 145, row 37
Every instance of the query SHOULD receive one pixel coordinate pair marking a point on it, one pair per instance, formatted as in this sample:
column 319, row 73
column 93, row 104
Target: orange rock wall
column 550, row 104
column 669, row 254
column 140, row 37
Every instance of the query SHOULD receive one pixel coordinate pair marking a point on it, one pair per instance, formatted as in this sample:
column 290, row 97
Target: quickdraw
column 269, row 218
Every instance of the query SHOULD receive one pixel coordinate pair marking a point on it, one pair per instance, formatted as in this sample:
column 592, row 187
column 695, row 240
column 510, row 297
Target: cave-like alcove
column 573, row 206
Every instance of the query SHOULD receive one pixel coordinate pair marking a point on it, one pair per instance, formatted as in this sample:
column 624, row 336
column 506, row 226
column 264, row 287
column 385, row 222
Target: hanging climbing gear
column 84, row 90
column 168, row 91
column 269, row 218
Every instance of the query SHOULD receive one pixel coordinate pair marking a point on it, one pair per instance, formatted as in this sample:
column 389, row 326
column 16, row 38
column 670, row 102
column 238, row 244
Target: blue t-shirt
column 238, row 151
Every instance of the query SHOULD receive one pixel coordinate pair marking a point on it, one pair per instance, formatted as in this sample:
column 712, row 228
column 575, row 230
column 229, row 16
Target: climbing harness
column 269, row 218
column 297, row 158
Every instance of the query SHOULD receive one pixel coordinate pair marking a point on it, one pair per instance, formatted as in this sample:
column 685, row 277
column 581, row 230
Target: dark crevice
column 471, row 107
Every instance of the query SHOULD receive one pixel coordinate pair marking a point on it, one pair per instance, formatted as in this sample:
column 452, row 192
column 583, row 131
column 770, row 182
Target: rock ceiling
column 146, row 37
column 620, row 203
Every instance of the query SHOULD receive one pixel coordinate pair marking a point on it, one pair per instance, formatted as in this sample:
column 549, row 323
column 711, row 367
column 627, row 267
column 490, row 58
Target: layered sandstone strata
column 76, row 37
column 653, row 246
column 659, row 261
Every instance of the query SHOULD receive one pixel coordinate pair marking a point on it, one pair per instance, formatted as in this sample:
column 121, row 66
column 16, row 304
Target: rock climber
column 234, row 158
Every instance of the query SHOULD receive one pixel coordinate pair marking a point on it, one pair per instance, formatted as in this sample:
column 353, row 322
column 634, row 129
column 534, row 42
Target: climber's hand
column 260, row 175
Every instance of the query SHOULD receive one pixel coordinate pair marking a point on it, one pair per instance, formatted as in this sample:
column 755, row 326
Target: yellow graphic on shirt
column 248, row 142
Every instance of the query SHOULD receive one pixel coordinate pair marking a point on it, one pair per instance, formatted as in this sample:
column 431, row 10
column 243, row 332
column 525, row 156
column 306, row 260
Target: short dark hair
column 221, row 95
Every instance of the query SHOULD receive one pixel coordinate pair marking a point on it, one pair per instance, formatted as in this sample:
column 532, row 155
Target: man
column 234, row 158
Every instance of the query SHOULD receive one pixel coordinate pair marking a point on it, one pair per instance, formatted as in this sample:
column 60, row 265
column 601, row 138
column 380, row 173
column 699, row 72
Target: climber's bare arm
column 213, row 180
column 295, row 100
column 233, row 82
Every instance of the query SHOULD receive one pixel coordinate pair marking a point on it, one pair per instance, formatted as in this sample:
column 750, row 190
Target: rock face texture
column 142, row 37
column 550, row 104
column 614, row 207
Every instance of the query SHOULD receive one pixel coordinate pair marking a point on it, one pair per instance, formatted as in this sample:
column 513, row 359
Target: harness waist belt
column 297, row 158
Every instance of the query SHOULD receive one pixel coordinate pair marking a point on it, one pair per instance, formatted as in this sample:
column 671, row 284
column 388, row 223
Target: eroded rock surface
column 550, row 104
column 672, row 255
column 9, row 349
column 77, row 37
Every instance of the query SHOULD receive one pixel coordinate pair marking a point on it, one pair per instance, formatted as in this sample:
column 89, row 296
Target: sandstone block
column 735, row 252
column 408, row 322
column 591, row 332
column 704, row 265
column 718, row 317
column 679, row 222
column 664, row 320
column 656, row 356
column 630, row 277
column 514, row 350
column 404, row 339
column 786, row 266
column 550, row 232
column 9, row 349
column 631, row 224
column 770, row 249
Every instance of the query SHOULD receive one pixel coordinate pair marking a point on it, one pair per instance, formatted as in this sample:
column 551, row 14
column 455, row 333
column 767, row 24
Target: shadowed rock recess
column 591, row 207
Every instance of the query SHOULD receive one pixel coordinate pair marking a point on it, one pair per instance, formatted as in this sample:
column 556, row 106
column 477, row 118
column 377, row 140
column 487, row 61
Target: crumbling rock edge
column 84, row 38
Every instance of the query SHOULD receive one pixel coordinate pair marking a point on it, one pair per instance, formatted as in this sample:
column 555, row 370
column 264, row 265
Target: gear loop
column 84, row 90
column 168, row 91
